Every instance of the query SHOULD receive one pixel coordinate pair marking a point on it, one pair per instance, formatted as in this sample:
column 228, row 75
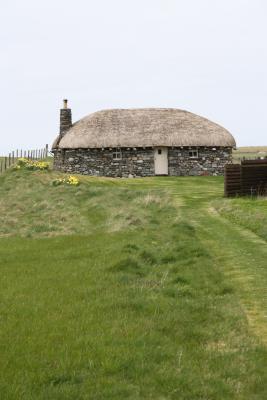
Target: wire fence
column 37, row 154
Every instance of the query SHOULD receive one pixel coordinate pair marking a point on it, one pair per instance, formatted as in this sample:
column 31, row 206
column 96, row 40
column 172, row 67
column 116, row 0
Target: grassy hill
column 130, row 289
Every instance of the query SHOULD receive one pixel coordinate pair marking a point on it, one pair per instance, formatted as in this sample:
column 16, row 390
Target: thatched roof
column 144, row 128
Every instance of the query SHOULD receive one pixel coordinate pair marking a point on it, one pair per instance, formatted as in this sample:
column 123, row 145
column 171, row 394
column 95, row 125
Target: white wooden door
column 161, row 160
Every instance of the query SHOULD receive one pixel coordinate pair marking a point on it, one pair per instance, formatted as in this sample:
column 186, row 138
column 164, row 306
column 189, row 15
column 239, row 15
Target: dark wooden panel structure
column 232, row 180
column 249, row 178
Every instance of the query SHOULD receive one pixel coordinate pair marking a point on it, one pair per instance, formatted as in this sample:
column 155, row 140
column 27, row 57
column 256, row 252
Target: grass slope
column 128, row 289
column 31, row 207
column 251, row 213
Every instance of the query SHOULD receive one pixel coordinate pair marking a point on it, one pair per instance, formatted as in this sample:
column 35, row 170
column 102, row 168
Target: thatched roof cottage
column 141, row 142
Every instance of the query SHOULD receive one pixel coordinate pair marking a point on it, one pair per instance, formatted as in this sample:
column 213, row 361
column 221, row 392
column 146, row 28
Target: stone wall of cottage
column 210, row 161
column 135, row 162
column 140, row 162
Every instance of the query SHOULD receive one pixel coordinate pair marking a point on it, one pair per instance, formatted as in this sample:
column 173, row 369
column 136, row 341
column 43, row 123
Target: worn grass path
column 240, row 253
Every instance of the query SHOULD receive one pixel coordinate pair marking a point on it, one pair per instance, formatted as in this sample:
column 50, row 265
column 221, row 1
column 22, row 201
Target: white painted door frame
column 161, row 160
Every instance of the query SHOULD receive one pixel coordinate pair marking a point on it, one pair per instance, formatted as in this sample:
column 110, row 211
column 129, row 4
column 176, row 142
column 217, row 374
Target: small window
column 193, row 153
column 117, row 154
column 159, row 151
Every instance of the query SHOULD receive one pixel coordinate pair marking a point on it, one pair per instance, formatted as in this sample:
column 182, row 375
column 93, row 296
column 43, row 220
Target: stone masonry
column 140, row 161
column 65, row 119
column 210, row 161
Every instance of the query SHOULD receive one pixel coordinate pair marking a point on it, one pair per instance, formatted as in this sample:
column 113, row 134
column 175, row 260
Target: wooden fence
column 247, row 178
column 11, row 159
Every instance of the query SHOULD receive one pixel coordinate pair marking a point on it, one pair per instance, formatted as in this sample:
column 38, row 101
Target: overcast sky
column 206, row 56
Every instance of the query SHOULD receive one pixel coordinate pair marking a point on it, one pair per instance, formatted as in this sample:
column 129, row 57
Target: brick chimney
column 65, row 118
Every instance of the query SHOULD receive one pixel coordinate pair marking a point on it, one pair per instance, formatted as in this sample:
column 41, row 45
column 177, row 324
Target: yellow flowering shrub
column 70, row 180
column 22, row 161
column 16, row 167
column 42, row 165
column 73, row 180
column 31, row 164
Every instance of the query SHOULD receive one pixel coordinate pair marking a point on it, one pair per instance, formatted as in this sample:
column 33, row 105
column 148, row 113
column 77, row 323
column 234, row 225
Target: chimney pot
column 65, row 103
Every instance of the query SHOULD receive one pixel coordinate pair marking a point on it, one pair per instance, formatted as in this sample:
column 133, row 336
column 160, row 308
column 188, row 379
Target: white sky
column 205, row 56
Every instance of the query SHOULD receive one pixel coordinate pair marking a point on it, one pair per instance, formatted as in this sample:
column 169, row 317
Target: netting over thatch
column 144, row 128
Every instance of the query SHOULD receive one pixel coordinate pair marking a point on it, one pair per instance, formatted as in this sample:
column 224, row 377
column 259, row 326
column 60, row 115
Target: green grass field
column 249, row 152
column 131, row 289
